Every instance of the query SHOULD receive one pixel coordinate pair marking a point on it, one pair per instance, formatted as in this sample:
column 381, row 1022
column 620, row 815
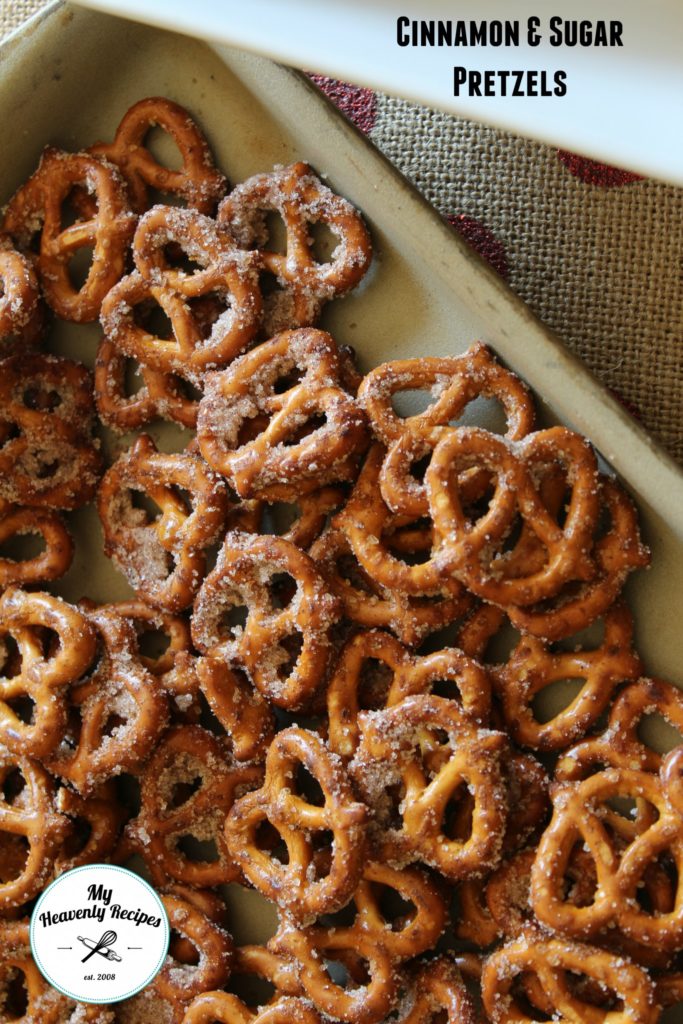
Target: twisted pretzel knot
column 22, row 316
column 176, row 666
column 302, row 201
column 107, row 229
column 615, row 554
column 173, row 808
column 164, row 560
column 27, row 810
column 41, row 674
column 438, row 988
column 553, row 961
column 49, row 564
column 409, row 616
column 198, row 181
column 244, row 572
column 301, row 824
column 410, row 675
column 620, row 745
column 101, row 814
column 620, row 859
column 213, row 944
column 223, row 1008
column 372, row 988
column 291, row 380
column 224, row 272
column 401, row 748
column 118, row 712
column 310, row 514
column 162, row 395
column 47, row 453
column 532, row 667
column 465, row 545
column 243, row 712
column 42, row 1003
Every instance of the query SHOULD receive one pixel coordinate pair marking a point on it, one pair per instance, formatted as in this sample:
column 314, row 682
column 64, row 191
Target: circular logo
column 99, row 933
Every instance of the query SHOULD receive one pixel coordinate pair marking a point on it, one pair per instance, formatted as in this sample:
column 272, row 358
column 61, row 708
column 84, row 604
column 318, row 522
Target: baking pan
column 70, row 74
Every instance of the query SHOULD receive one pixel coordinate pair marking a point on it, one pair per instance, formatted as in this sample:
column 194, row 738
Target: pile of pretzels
column 330, row 684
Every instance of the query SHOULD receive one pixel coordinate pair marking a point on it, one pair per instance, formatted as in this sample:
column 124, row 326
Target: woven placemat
column 596, row 252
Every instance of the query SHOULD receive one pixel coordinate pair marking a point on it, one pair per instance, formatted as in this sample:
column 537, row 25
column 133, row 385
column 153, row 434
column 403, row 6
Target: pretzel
column 175, row 810
column 553, row 961
column 33, row 709
column 532, row 667
column 409, row 616
column 300, row 523
column 296, row 885
column 409, row 676
column 620, row 745
column 370, row 989
column 176, row 665
column 464, row 545
column 210, row 905
column 242, row 710
column 118, row 711
column 162, row 395
column 473, row 923
column 22, row 315
column 224, row 272
column 107, row 229
column 48, row 455
column 198, row 181
column 25, row 996
column 163, row 559
column 293, row 380
column 619, row 863
column 396, row 747
column 32, row 824
column 223, row 1008
column 49, row 564
column 95, row 826
column 305, row 282
column 181, row 984
column 453, row 382
column 284, row 649
column 616, row 553
column 437, row 988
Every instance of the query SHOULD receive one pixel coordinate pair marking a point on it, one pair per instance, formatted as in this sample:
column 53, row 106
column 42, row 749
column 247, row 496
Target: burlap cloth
column 596, row 254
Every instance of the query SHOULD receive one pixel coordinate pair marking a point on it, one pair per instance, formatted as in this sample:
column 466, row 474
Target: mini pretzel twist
column 198, row 181
column 302, row 201
column 162, row 395
column 401, row 750
column 411, row 617
column 96, row 824
column 620, row 745
column 437, row 988
column 223, row 1008
column 292, row 381
column 107, row 229
column 28, row 816
column 118, row 711
column 22, row 315
column 47, row 454
column 49, row 564
column 296, row 885
column 187, row 789
column 213, row 944
column 553, row 961
column 242, row 710
column 288, row 676
column 371, row 991
column 301, row 522
column 223, row 271
column 620, row 860
column 164, row 560
column 410, row 675
column 40, row 1001
column 42, row 673
column 464, row 545
column 532, row 667
column 615, row 553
